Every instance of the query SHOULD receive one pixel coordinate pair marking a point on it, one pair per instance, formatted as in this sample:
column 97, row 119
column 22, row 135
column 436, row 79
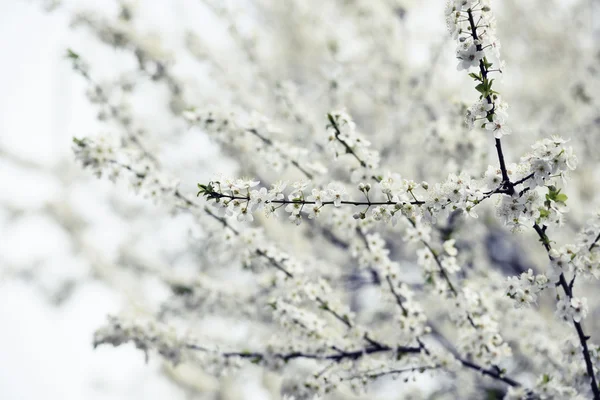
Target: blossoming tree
column 377, row 230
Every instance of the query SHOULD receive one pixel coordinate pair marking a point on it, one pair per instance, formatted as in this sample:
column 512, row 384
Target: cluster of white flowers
column 255, row 135
column 479, row 331
column 472, row 24
column 485, row 343
column 550, row 159
column 152, row 57
column 399, row 191
column 98, row 154
column 242, row 198
column 105, row 156
column 457, row 193
column 578, row 259
column 535, row 197
column 585, row 259
column 576, row 374
column 435, row 264
column 343, row 138
column 492, row 178
column 375, row 255
column 574, row 309
column 257, row 252
column 292, row 317
column 524, row 289
column 146, row 335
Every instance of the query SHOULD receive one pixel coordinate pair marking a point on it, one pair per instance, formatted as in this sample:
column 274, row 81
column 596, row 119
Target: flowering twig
column 338, row 355
column 483, row 69
column 338, row 137
column 583, row 338
column 212, row 194
column 97, row 94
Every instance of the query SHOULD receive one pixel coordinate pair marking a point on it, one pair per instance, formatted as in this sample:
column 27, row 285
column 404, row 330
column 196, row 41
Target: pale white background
column 46, row 351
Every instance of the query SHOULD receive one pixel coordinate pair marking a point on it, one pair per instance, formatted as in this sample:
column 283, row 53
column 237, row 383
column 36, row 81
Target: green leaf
column 475, row 76
column 207, row 190
column 555, row 195
column 72, row 55
column 552, row 193
column 486, row 63
column 561, row 198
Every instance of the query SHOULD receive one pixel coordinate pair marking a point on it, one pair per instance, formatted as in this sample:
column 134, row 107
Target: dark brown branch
column 339, row 354
column 217, row 195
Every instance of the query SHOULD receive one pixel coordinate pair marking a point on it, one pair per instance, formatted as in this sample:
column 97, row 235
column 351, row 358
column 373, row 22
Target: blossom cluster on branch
column 386, row 275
